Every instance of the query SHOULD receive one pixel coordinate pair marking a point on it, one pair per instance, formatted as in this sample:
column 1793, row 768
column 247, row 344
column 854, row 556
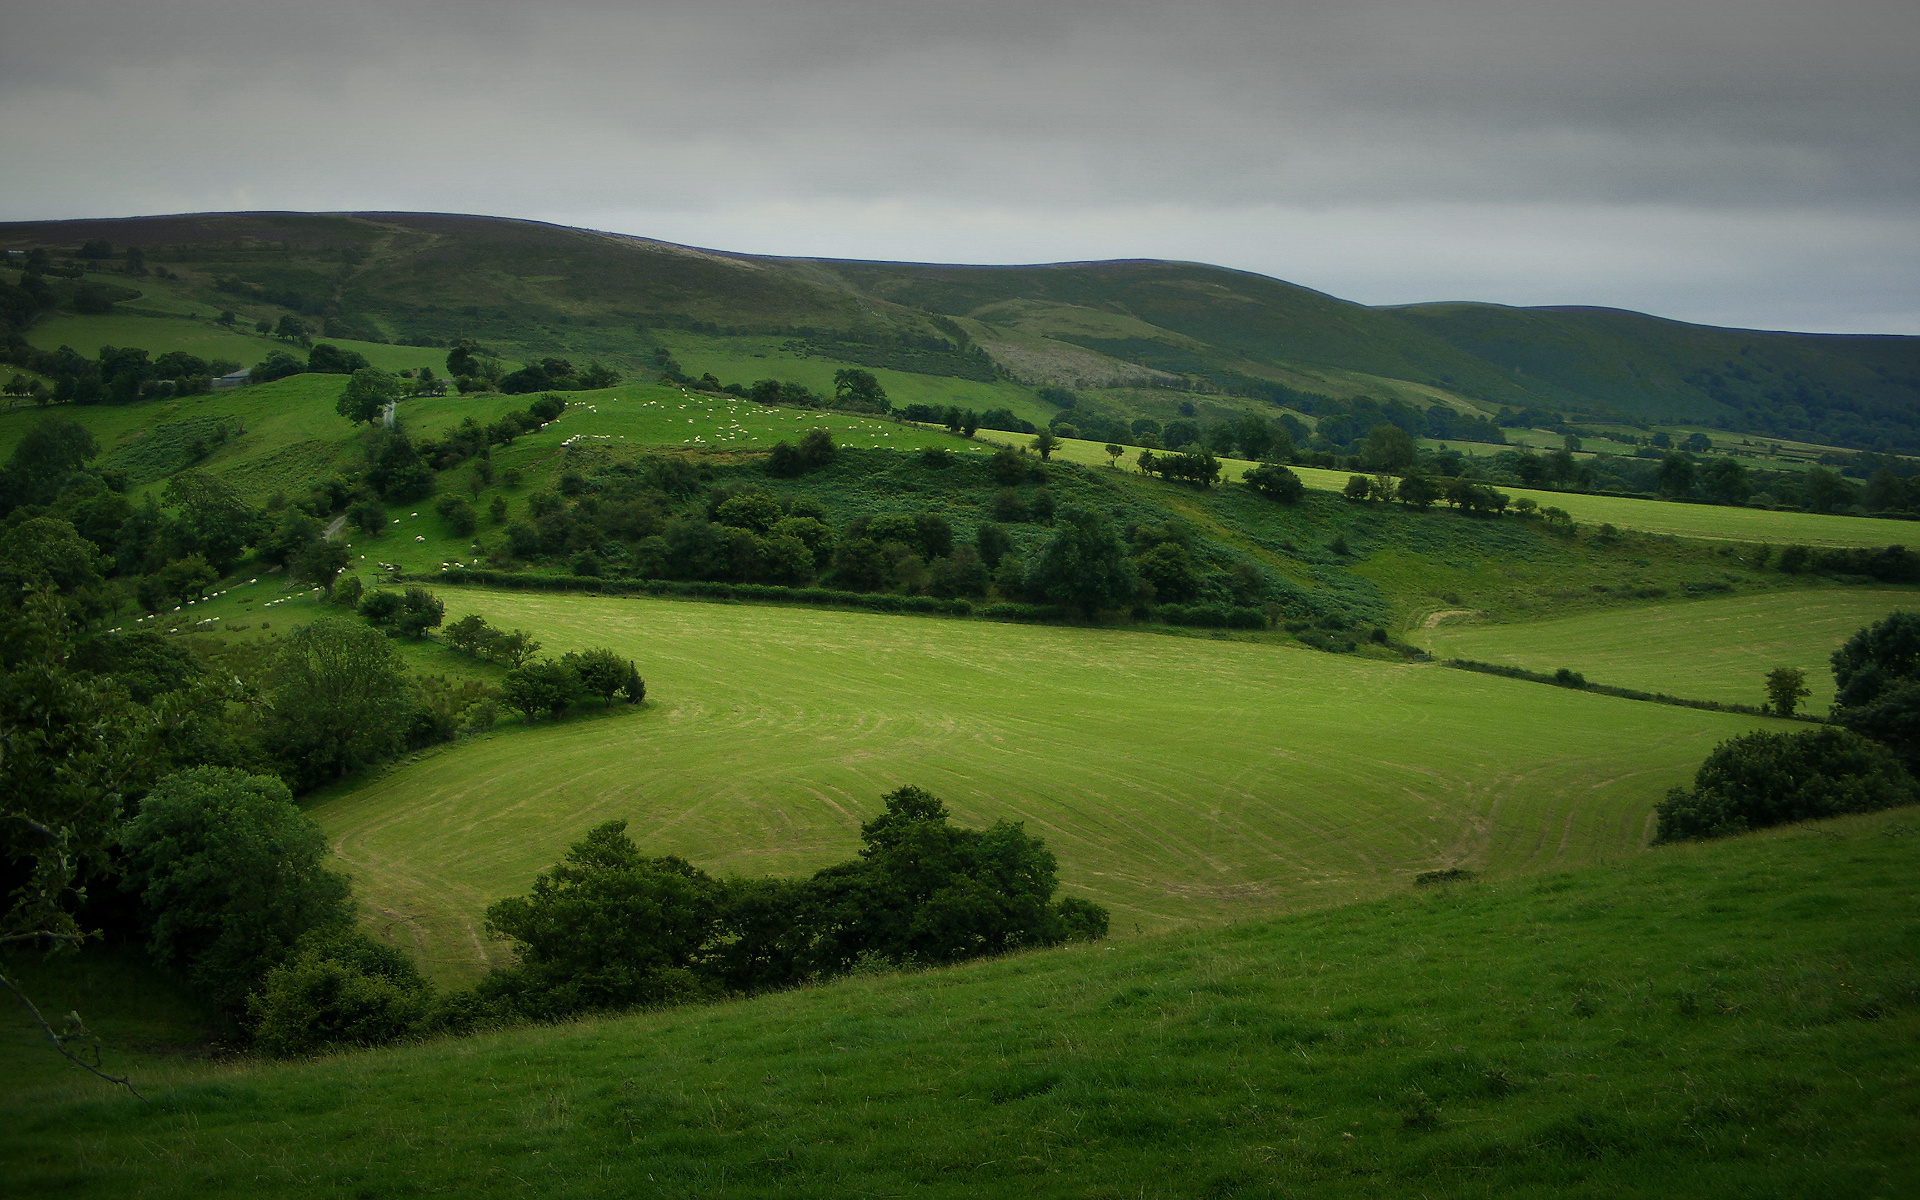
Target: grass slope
column 1717, row 649
column 1180, row 780
column 1725, row 1020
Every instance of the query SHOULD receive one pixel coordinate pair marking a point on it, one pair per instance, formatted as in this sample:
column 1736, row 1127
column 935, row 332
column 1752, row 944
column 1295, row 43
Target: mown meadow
column 1728, row 1019
column 1180, row 780
column 1719, row 648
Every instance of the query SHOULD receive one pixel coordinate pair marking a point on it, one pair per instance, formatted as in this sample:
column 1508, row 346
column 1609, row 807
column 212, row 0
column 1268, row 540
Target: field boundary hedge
column 1210, row 616
column 1573, row 681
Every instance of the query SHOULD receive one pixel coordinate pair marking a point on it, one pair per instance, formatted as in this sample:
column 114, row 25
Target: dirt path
column 1434, row 619
column 334, row 527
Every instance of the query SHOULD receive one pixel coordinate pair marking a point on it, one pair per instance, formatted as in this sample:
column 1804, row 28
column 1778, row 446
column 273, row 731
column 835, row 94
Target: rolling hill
column 533, row 289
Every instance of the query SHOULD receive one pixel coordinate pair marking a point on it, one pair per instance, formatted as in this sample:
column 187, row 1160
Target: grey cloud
column 992, row 130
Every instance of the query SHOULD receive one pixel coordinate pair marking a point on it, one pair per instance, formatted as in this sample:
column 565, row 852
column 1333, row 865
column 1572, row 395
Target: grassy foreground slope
column 1718, row 649
column 1178, row 779
column 1731, row 1019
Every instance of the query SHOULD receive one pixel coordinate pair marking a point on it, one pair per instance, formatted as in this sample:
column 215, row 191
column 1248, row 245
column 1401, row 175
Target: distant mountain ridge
column 424, row 277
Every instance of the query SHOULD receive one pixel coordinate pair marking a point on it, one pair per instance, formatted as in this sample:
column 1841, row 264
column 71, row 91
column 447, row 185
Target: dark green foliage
column 1876, row 674
column 368, row 517
column 1786, row 688
column 611, row 928
column 329, row 359
column 381, row 608
column 540, row 687
column 337, row 693
column 319, row 561
column 458, row 514
column 1765, row 779
column 230, row 875
column 419, row 611
column 992, row 542
column 75, row 748
column 337, row 989
column 367, row 394
column 1084, row 565
column 398, row 474
column 1417, row 491
column 859, row 390
column 1275, row 482
column 1387, row 448
column 605, row 928
column 213, row 520
column 276, row 365
column 601, row 673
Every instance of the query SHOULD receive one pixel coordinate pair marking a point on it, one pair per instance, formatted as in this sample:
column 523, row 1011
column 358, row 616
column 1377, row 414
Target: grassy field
column 1181, row 780
column 1708, row 522
column 159, row 334
column 1718, row 649
column 746, row 359
column 1702, row 521
column 1733, row 1019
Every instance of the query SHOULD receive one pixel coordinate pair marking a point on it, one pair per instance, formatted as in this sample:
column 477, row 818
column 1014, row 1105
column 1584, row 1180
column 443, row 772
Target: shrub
column 1765, row 779
column 1275, row 482
column 338, row 989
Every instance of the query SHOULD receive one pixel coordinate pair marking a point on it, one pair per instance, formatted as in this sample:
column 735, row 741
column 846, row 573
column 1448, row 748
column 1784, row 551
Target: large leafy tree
column 230, row 875
column 72, row 747
column 336, row 699
column 1084, row 566
column 213, row 520
column 607, row 927
column 1876, row 676
column 368, row 391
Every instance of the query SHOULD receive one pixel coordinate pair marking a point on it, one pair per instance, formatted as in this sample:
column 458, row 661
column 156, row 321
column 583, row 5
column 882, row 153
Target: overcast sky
column 1741, row 162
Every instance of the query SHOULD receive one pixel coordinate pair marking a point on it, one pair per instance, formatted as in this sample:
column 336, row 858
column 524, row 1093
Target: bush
column 230, row 876
column 338, row 989
column 1765, row 779
column 1275, row 483
column 605, row 928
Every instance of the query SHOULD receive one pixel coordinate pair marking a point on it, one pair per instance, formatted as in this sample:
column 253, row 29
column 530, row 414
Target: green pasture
column 1180, row 780
column 1708, row 522
column 1718, row 649
column 744, row 360
column 208, row 339
column 1727, row 1020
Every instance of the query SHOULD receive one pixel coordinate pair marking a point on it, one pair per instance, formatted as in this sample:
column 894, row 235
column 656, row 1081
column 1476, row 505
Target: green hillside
column 1731, row 1019
column 530, row 289
column 1851, row 391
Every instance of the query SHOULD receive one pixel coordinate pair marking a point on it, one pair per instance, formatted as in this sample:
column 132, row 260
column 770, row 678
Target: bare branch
column 77, row 1030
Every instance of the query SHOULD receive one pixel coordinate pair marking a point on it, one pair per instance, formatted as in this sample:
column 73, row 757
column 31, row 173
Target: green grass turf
column 1718, row 649
column 1734, row 1019
column 1180, row 780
